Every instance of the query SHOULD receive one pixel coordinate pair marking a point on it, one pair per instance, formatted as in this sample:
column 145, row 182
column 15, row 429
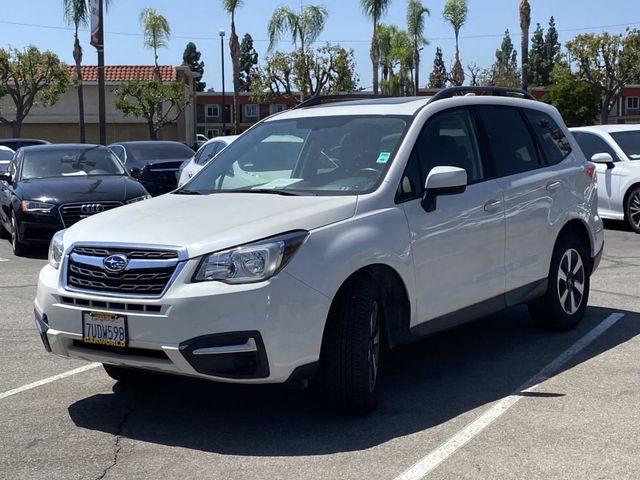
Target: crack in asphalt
column 117, row 436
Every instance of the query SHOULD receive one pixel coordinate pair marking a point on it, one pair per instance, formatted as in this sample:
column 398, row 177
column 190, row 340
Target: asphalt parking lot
column 471, row 403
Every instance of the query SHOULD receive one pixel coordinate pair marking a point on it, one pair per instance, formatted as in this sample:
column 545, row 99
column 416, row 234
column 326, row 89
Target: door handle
column 492, row 205
column 553, row 186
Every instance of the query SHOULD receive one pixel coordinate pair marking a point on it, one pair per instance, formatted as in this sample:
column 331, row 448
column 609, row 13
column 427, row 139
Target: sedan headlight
column 254, row 262
column 56, row 250
column 31, row 206
column 146, row 196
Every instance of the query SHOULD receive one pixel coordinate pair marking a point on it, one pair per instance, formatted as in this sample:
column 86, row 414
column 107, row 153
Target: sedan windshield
column 337, row 155
column 629, row 143
column 73, row 161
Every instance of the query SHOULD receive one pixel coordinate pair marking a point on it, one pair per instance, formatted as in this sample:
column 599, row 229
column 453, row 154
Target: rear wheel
column 563, row 305
column 351, row 350
column 19, row 248
column 632, row 210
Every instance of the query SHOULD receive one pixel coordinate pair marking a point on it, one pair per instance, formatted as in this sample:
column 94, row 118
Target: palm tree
column 234, row 47
column 455, row 13
column 156, row 34
column 375, row 9
column 415, row 29
column 525, row 23
column 304, row 26
column 77, row 13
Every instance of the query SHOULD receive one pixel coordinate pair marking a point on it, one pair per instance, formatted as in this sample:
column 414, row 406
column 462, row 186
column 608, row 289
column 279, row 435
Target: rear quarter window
column 551, row 137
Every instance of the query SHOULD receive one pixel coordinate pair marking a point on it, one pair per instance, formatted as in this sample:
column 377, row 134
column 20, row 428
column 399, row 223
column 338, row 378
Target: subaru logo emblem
column 91, row 208
column 115, row 263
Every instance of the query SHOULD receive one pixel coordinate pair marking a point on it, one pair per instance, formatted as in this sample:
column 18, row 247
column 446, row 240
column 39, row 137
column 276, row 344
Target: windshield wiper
column 187, row 192
column 272, row 191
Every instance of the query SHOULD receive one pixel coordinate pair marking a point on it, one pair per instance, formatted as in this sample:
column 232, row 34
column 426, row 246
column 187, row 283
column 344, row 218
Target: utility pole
column 97, row 40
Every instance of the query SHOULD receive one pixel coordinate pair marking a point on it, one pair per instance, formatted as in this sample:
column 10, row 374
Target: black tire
column 632, row 210
column 19, row 248
column 128, row 376
column 563, row 305
column 351, row 348
column 4, row 233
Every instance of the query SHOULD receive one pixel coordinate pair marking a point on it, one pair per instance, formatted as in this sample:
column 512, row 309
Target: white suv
column 328, row 232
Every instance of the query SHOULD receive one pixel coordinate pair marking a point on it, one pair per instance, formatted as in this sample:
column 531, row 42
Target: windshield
column 339, row 155
column 629, row 143
column 73, row 161
column 160, row 151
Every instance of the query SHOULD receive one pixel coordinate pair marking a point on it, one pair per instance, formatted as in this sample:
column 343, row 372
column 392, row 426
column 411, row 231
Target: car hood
column 207, row 223
column 70, row 189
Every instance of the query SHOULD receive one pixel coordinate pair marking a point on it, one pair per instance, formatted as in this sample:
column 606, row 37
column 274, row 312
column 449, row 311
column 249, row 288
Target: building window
column 212, row 132
column 275, row 108
column 212, row 111
column 251, row 110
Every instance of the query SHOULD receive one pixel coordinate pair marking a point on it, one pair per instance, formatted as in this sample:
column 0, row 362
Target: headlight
column 31, row 206
column 56, row 249
column 139, row 199
column 254, row 262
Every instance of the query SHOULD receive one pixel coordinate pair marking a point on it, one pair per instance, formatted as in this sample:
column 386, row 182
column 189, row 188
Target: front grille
column 74, row 212
column 148, row 271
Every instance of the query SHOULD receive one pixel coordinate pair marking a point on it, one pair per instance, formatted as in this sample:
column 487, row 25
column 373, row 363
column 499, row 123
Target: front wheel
column 351, row 349
column 563, row 305
column 632, row 210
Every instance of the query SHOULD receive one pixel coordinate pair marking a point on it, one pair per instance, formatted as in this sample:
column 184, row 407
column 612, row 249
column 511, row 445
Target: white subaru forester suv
column 327, row 233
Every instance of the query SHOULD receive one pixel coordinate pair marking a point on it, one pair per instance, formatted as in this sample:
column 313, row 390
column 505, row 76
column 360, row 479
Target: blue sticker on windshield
column 383, row 157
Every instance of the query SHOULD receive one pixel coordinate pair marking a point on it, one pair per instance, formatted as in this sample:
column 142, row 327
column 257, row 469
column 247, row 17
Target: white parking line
column 4, row 259
column 428, row 463
column 39, row 383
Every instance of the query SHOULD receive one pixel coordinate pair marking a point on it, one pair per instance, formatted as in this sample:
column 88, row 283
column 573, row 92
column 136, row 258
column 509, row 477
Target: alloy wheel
column 571, row 281
column 634, row 209
column 374, row 345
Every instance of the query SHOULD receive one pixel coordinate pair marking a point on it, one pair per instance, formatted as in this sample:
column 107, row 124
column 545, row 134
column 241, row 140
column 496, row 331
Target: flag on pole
column 96, row 34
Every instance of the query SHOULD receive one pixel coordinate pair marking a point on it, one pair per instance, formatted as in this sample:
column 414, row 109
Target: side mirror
column 604, row 158
column 443, row 181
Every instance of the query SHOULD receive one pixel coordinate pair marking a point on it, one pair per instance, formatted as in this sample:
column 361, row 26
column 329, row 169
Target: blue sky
column 40, row 22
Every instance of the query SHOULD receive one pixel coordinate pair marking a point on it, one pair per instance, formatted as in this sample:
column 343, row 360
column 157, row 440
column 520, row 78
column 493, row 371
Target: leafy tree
column 76, row 12
column 328, row 70
column 525, row 23
column 438, row 77
column 304, row 26
column 504, row 71
column 230, row 7
column 191, row 59
column 140, row 98
column 537, row 59
column 577, row 101
column 415, row 29
column 375, row 10
column 31, row 77
column 455, row 13
column 607, row 63
column 248, row 62
column 156, row 33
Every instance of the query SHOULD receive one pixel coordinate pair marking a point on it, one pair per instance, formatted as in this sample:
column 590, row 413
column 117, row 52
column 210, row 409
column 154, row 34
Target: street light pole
column 221, row 33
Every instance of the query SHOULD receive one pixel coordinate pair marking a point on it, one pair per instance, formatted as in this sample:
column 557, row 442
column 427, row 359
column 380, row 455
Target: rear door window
column 512, row 148
column 552, row 139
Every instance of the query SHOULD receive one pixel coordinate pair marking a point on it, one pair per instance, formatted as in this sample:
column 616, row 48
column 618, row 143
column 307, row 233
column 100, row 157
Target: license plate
column 104, row 329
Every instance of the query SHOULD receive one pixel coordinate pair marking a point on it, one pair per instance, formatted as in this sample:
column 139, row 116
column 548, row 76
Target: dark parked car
column 51, row 187
column 16, row 143
column 153, row 163
column 6, row 154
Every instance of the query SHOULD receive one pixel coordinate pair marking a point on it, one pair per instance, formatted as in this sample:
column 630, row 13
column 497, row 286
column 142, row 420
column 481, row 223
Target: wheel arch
column 396, row 304
column 580, row 229
column 625, row 198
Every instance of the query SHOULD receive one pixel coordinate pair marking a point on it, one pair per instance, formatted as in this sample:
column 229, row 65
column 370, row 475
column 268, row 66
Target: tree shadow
column 422, row 385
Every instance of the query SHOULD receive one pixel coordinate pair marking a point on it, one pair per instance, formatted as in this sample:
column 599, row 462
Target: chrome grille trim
column 150, row 278
column 71, row 213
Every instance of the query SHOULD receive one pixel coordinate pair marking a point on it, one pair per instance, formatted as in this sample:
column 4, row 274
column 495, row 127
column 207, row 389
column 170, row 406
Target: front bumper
column 254, row 333
column 38, row 229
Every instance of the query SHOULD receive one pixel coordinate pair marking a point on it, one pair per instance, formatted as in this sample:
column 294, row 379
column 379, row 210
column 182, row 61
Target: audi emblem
column 91, row 208
column 115, row 263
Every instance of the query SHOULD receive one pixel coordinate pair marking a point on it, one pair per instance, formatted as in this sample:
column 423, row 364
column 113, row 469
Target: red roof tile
column 121, row 73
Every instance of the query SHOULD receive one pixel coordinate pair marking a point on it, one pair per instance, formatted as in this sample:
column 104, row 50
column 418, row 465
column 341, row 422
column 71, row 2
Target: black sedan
column 153, row 163
column 51, row 187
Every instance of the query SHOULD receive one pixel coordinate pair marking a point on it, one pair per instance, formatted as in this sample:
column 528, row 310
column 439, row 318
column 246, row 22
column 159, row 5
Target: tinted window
column 329, row 154
column 93, row 161
column 629, row 143
column 206, row 153
column 512, row 148
column 590, row 144
column 449, row 139
column 5, row 155
column 158, row 151
column 119, row 151
column 552, row 139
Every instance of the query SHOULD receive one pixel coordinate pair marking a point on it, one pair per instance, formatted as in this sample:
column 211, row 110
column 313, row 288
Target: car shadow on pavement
column 422, row 385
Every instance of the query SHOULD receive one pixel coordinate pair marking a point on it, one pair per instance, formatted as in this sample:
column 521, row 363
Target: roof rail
column 319, row 100
column 492, row 91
